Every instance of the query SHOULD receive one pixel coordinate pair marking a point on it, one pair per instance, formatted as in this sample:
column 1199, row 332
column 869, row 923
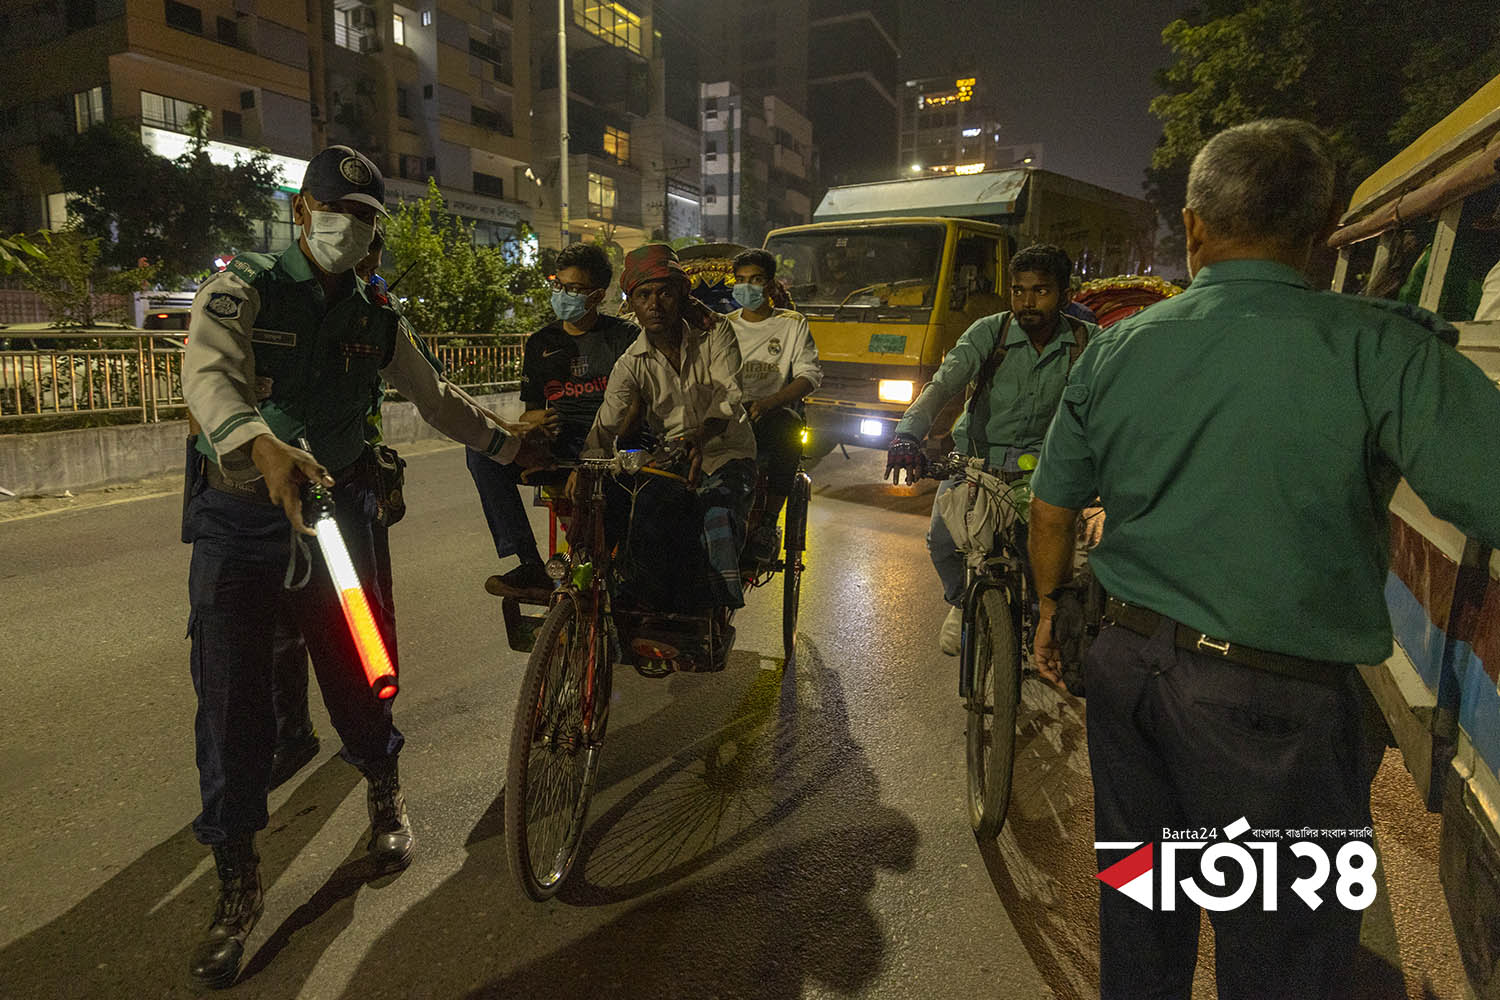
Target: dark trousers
column 1180, row 740
column 240, row 553
column 499, row 489
column 289, row 656
column 681, row 548
column 778, row 446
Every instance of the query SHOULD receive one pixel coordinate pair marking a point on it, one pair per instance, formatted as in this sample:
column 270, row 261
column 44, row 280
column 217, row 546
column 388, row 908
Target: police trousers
column 1184, row 741
column 235, row 588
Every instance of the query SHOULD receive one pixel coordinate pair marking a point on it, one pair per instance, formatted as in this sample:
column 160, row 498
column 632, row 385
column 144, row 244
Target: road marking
column 90, row 506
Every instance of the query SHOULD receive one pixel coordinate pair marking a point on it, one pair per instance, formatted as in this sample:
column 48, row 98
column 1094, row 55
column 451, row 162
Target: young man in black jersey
column 563, row 374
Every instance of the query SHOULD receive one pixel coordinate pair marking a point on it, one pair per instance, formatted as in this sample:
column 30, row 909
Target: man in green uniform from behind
column 1245, row 439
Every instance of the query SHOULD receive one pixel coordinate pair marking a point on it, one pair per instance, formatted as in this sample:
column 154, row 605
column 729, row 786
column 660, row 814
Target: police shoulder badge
column 224, row 306
column 354, row 170
column 774, row 345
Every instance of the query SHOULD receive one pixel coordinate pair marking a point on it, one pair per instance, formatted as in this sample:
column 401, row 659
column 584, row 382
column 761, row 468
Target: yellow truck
column 897, row 270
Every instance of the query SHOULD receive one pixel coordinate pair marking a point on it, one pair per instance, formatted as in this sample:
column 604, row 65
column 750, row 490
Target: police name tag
column 279, row 338
column 224, row 306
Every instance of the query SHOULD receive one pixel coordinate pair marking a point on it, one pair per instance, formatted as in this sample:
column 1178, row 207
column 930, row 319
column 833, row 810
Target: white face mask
column 337, row 241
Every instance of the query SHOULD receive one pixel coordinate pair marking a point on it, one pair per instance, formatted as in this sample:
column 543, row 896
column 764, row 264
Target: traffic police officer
column 1246, row 438
column 283, row 347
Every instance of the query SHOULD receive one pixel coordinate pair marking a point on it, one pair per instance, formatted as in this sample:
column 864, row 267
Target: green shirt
column 1014, row 413
column 1246, row 437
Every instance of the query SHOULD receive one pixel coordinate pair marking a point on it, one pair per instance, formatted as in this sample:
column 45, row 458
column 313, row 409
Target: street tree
column 1365, row 71
column 175, row 214
column 449, row 284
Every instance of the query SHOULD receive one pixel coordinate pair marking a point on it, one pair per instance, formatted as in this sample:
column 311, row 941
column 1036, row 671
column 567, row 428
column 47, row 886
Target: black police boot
column 390, row 830
column 217, row 957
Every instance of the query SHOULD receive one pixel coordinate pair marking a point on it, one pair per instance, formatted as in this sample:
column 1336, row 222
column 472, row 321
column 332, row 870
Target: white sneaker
column 949, row 634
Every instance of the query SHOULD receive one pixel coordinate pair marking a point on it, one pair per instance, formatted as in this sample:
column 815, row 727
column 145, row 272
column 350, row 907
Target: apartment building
column 757, row 164
column 632, row 168
column 427, row 90
column 853, row 89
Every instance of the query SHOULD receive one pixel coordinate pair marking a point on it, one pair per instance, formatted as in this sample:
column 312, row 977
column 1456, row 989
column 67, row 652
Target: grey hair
column 1265, row 181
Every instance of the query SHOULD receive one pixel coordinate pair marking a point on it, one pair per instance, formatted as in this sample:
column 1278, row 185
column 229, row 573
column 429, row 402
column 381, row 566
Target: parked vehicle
column 1421, row 228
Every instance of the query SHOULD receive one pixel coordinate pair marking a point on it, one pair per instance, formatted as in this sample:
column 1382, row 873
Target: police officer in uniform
column 280, row 348
column 1246, row 438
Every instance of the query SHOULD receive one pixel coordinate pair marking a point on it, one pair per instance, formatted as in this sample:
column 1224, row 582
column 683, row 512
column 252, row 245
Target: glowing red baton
column 362, row 628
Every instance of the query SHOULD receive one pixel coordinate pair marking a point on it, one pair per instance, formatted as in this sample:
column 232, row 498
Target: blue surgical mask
column 750, row 296
column 570, row 306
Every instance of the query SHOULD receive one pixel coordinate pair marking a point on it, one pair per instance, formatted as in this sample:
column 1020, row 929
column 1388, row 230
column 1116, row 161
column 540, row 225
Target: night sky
column 1074, row 75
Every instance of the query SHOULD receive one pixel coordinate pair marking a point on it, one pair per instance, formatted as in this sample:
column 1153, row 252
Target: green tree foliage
column 1372, row 74
column 447, row 284
column 15, row 251
column 177, row 214
column 66, row 272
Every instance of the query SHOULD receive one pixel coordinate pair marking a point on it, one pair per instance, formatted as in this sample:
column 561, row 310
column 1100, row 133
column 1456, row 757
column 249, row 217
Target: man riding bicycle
column 683, row 382
column 1018, row 362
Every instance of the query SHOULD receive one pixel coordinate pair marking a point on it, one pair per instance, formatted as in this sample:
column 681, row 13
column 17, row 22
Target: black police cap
column 341, row 173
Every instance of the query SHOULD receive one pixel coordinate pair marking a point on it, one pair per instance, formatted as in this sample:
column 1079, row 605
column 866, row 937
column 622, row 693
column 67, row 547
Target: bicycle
column 999, row 628
column 563, row 711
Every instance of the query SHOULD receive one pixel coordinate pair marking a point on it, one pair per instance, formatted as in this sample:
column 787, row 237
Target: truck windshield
column 890, row 268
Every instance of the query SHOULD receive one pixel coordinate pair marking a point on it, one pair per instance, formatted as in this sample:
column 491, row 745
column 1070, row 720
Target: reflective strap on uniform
column 496, row 443
column 229, row 426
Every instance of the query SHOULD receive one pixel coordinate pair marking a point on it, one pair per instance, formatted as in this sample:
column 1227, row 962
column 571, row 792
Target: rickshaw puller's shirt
column 678, row 405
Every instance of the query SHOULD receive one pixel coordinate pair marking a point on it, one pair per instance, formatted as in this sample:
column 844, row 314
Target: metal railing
column 57, row 373
column 68, row 373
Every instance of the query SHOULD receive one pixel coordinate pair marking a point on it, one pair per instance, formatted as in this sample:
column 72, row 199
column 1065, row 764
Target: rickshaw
column 585, row 629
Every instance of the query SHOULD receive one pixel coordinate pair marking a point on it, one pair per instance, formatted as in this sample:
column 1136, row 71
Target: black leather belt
column 1144, row 621
column 254, row 491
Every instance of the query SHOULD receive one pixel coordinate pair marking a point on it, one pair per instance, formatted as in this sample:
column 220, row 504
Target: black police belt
column 1144, row 621
column 256, row 491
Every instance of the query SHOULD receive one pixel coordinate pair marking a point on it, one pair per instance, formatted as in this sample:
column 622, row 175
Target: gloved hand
column 905, row 453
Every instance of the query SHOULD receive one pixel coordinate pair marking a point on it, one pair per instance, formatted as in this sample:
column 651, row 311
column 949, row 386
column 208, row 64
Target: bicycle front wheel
column 992, row 707
column 554, row 748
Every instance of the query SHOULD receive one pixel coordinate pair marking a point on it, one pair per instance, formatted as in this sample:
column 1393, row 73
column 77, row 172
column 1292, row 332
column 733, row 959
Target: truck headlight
column 893, row 390
column 872, row 428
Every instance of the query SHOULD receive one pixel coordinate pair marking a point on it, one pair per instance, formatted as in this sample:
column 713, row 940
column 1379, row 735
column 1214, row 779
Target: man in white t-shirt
column 779, row 366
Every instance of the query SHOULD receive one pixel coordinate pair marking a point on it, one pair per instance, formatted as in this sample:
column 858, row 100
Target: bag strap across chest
column 997, row 357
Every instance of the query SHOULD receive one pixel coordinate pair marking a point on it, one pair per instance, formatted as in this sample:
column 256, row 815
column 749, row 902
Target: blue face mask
column 570, row 306
column 752, row 297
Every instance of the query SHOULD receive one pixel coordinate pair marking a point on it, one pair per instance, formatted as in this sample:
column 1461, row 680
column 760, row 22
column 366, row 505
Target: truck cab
column 885, row 299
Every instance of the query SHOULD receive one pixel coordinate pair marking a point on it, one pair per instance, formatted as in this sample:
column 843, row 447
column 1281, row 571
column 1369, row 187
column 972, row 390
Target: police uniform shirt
column 774, row 352
column 322, row 362
column 567, row 373
column 1246, row 438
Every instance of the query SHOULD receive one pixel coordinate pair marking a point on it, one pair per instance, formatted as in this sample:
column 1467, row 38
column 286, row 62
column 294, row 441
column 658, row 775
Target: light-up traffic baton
column 368, row 641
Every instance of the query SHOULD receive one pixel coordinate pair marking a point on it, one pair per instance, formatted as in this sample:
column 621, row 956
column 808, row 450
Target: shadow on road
column 730, row 792
column 139, row 927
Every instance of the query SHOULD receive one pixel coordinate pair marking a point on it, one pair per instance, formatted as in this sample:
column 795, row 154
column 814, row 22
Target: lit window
column 398, row 29
column 610, row 21
column 166, row 112
column 617, row 144
column 88, row 108
column 601, row 197
column 427, row 18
